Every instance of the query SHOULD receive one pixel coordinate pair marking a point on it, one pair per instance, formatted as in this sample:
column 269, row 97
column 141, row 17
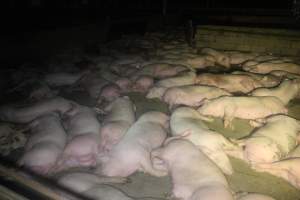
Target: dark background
column 32, row 30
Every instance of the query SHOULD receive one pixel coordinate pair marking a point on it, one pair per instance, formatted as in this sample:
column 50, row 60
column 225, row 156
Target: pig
column 45, row 145
column 160, row 70
column 221, row 58
column 237, row 57
column 132, row 153
column 156, row 92
column 83, row 129
column 28, row 113
column 254, row 196
column 185, row 78
column 159, row 88
column 267, row 80
column 287, row 169
column 93, row 83
column 124, row 83
column 233, row 83
column 109, row 93
column 142, row 84
column 63, row 78
column 91, row 186
column 187, row 123
column 284, row 74
column 42, row 92
column 267, row 67
column 120, row 117
column 194, row 176
column 286, row 91
column 273, row 141
column 201, row 61
column 251, row 108
column 192, row 95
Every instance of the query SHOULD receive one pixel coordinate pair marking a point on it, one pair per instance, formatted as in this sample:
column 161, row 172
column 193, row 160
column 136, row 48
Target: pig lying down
column 83, row 130
column 91, row 186
column 142, row 84
column 287, row 168
column 185, row 78
column 229, row 82
column 186, row 123
column 28, row 113
column 286, row 91
column 237, row 57
column 267, row 67
column 267, row 80
column 45, row 145
column 160, row 70
column 120, row 117
column 194, row 176
column 192, row 95
column 273, row 141
column 251, row 108
column 132, row 153
column 63, row 78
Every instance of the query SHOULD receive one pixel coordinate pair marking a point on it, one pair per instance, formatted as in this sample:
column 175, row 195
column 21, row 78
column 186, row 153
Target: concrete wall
column 276, row 41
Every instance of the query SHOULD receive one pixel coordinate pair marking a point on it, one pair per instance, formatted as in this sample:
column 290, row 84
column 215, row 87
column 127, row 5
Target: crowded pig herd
column 112, row 142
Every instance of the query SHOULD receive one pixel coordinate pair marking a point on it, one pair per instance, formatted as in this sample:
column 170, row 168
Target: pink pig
column 45, row 144
column 28, row 113
column 83, row 130
column 194, row 176
column 116, row 123
column 132, row 153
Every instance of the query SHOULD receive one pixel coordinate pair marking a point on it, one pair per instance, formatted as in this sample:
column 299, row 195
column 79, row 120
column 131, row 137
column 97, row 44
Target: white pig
column 220, row 57
column 63, row 78
column 132, row 153
column 116, row 123
column 242, row 107
column 160, row 70
column 230, row 82
column 45, row 145
column 286, row 91
column 186, row 122
column 287, row 169
column 267, row 80
column 273, row 141
column 194, row 176
column 28, row 113
column 267, row 67
column 91, row 186
column 192, row 95
column 237, row 57
column 83, row 130
column 184, row 78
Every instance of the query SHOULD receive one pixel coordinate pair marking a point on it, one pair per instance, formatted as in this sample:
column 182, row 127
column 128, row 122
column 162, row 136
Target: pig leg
column 228, row 116
column 220, row 158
